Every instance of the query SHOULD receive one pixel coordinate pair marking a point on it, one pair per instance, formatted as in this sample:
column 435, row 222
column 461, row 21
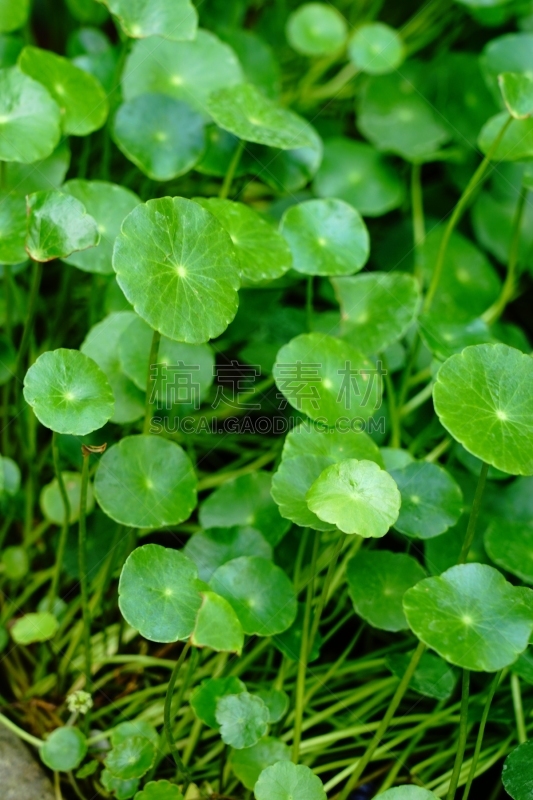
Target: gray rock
column 21, row 777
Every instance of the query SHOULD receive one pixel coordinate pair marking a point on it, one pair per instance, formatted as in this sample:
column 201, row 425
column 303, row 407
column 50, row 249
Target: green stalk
column 481, row 733
column 508, row 288
column 37, row 271
column 518, row 708
column 64, row 527
column 151, row 383
column 325, row 591
column 82, row 565
column 384, row 724
column 475, row 182
column 463, row 732
column 26, row 737
column 232, row 169
column 6, row 389
column 304, row 655
column 168, row 711
column 417, row 210
column 474, row 514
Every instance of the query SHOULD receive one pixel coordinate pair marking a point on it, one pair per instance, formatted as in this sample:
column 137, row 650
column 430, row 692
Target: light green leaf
column 29, row 118
column 326, row 237
column 146, row 482
column 13, row 228
column 432, row 678
column 188, row 71
column 377, row 581
column 51, row 502
column 262, row 252
column 444, row 338
column 177, row 267
column 508, row 53
column 249, row 763
column 13, row 14
column 277, row 702
column 138, row 727
column 431, row 500
column 356, row 496
column 313, row 440
column 362, row 300
column 68, row 392
column 245, row 112
column 217, row 626
column 123, row 789
column 64, row 750
column 408, row 793
column 376, row 49
column 510, row 545
column 471, row 616
column 34, row 627
column 517, row 773
column 358, row 174
column 205, row 697
column 49, row 173
column 260, row 592
column 517, row 92
column 15, row 562
column 171, row 19
column 316, row 29
column 81, row 98
column 290, row 484
column 492, row 420
column 131, row 759
column 517, row 141
column 287, row 781
column 58, row 225
column 256, row 57
column 243, row 719
column 158, row 593
column 162, row 136
column 211, row 548
column 327, row 379
column 159, row 790
column 108, row 204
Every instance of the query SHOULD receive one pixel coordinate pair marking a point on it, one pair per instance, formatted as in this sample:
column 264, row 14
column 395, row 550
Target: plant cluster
column 267, row 397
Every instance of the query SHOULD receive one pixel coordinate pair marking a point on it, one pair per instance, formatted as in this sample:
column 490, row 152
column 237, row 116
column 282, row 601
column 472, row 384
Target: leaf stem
column 325, row 591
column 82, row 566
column 384, row 724
column 65, row 525
column 463, row 732
column 417, row 206
column 37, row 271
column 151, row 382
column 518, row 708
column 481, row 733
column 474, row 183
column 232, row 169
column 474, row 514
column 26, row 737
column 167, row 714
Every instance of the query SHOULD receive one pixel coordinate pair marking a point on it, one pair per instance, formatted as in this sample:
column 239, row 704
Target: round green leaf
column 260, row 592
column 245, row 501
column 483, row 397
column 244, row 111
column 159, row 790
column 38, row 627
column 327, row 379
column 102, row 345
column 131, row 759
column 263, row 254
column 316, row 29
column 29, row 118
column 290, row 484
column 137, row 727
column 211, row 548
column 13, row 14
column 377, row 581
column 517, row 92
column 326, row 237
column 276, row 701
column 356, row 173
column 49, row 173
column 362, row 300
column 58, row 225
column 408, row 793
column 510, row 545
column 376, row 49
column 64, row 750
column 13, row 227
column 432, row 678
column 108, row 204
column 123, row 790
column 217, row 625
column 15, row 562
column 162, row 136
column 249, row 763
column 357, row 497
column 146, row 482
column 9, row 476
column 205, row 697
column 313, row 440
column 158, row 593
column 508, row 53
column 243, row 719
column 431, row 500
column 445, row 338
column 517, row 141
column 80, row 97
column 517, row 773
column 257, row 59
column 171, row 19
column 287, row 781
column 471, row 616
column 68, row 392
column 290, row 641
column 396, row 118
column 176, row 265
column 187, row 71
column 286, row 171
column 51, row 502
